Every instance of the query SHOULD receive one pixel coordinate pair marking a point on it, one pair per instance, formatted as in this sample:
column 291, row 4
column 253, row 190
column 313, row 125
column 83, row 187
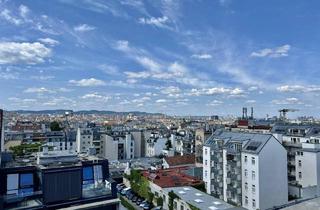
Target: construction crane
column 283, row 113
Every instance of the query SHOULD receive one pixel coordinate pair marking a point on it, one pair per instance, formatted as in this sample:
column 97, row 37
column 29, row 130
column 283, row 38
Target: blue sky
column 199, row 57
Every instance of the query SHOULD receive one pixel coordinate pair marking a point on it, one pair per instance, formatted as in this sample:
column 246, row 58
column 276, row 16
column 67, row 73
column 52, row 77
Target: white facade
column 155, row 146
column 246, row 169
column 84, row 140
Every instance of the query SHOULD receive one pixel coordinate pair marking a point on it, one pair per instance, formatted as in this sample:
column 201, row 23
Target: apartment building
column 75, row 182
column 246, row 169
column 155, row 144
column 302, row 145
column 183, row 142
column 84, row 140
column 61, row 140
column 201, row 135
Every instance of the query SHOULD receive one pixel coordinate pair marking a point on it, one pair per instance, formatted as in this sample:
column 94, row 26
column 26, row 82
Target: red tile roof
column 174, row 177
column 180, row 160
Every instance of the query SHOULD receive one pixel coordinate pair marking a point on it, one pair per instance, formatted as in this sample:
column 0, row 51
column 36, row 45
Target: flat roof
column 200, row 199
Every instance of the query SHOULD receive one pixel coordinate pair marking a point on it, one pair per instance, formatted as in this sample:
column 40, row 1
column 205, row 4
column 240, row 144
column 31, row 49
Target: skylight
column 198, row 200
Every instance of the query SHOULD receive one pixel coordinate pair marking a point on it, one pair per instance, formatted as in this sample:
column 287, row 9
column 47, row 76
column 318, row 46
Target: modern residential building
column 155, row 144
column 84, row 140
column 201, row 135
column 302, row 145
column 191, row 198
column 80, row 182
column 240, row 168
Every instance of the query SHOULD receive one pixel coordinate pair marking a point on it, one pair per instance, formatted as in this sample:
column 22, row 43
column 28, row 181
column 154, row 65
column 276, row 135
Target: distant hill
column 62, row 111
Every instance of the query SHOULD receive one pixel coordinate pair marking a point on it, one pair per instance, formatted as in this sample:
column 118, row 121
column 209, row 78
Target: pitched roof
column 180, row 160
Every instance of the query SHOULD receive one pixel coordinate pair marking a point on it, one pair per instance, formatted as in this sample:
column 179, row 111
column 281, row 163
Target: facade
column 155, row 145
column 302, row 145
column 191, row 198
column 61, row 140
column 84, row 140
column 240, row 168
column 77, row 182
column 200, row 137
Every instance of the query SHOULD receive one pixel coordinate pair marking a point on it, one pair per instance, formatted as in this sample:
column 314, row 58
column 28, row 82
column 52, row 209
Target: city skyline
column 173, row 57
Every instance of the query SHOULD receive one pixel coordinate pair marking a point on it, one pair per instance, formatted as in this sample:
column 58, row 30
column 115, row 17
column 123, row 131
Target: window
column 245, row 172
column 253, row 189
column 245, row 159
column 205, row 173
column 301, row 153
column 181, row 207
column 300, row 163
column 253, row 175
column 205, row 151
column 246, row 200
column 253, row 203
column 253, row 160
column 205, row 162
column 300, row 175
column 246, row 186
column 19, row 183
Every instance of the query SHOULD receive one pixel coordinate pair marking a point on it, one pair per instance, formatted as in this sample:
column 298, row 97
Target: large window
column 92, row 174
column 19, row 183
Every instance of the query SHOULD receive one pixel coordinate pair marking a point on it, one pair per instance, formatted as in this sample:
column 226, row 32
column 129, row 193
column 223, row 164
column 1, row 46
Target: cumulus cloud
column 159, row 21
column 23, row 53
column 49, row 41
column 287, row 101
column 91, row 82
column 202, row 56
column 95, row 96
column 161, row 101
column 217, row 91
column 215, row 103
column 277, row 52
column 84, row 28
column 38, row 90
column 298, row 88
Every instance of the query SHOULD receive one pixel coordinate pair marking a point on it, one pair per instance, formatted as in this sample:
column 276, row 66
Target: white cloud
column 215, row 103
column 171, row 90
column 6, row 14
column 298, row 88
column 251, row 101
column 42, row 77
column 84, row 28
column 24, row 11
column 49, row 41
column 217, row 91
column 287, row 101
column 109, row 69
column 23, row 53
column 277, row 52
column 161, row 101
column 159, row 21
column 91, row 82
column 95, row 96
column 38, row 90
column 202, row 56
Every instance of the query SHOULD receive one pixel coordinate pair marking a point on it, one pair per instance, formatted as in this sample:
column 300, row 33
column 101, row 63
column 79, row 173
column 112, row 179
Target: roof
column 171, row 177
column 200, row 199
column 251, row 142
column 180, row 160
column 306, row 205
column 311, row 130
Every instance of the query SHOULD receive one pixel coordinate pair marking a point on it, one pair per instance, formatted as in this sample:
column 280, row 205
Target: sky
column 178, row 57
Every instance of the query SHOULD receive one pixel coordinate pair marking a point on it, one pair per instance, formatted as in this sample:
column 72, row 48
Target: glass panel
column 26, row 180
column 87, row 173
column 12, row 181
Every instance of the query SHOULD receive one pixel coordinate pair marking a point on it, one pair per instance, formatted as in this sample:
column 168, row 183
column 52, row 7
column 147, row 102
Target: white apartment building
column 84, row 140
column 246, row 169
column 118, row 147
column 59, row 140
column 302, row 145
column 154, row 145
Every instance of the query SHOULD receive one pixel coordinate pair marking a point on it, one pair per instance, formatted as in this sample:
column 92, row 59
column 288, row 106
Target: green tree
column 172, row 196
column 55, row 126
column 168, row 144
column 159, row 201
column 150, row 197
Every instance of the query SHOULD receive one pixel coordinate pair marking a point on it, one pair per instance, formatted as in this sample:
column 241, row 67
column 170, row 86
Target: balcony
column 23, row 201
column 99, row 189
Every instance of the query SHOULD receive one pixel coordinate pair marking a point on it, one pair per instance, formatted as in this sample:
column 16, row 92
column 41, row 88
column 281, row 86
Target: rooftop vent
column 198, row 201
